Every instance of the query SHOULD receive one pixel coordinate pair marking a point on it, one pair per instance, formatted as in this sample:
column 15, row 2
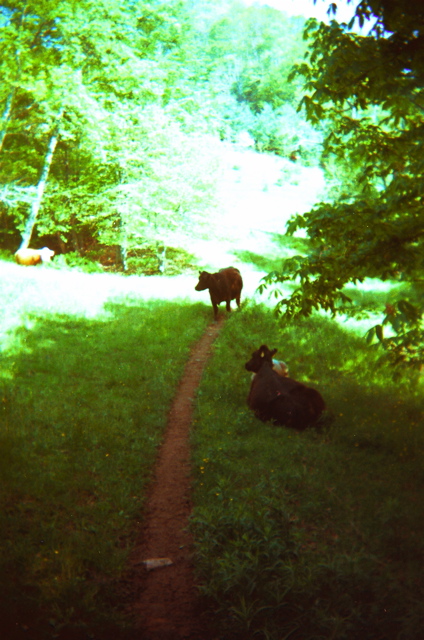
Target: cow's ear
column 273, row 352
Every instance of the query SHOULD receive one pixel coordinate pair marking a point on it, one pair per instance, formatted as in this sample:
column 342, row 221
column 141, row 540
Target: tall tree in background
column 36, row 203
column 240, row 59
column 100, row 64
column 369, row 93
column 41, row 80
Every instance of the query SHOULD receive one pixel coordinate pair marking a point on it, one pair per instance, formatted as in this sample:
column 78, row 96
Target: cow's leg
column 228, row 305
column 215, row 310
column 238, row 300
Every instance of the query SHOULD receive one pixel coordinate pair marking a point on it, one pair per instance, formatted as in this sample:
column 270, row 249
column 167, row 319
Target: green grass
column 373, row 294
column 301, row 536
column 83, row 407
column 144, row 260
column 286, row 246
column 141, row 261
column 318, row 534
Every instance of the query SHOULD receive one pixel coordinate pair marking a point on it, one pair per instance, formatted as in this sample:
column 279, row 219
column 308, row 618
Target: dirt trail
column 168, row 607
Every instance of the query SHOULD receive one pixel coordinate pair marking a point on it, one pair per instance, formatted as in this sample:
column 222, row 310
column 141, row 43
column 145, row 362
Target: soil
column 168, row 606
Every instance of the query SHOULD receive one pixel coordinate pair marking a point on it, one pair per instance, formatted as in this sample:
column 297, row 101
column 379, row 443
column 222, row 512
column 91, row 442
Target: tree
column 38, row 87
column 99, row 64
column 243, row 56
column 36, row 203
column 368, row 94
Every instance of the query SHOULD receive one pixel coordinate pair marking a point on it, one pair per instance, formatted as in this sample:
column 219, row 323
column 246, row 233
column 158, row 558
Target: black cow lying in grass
column 224, row 286
column 279, row 399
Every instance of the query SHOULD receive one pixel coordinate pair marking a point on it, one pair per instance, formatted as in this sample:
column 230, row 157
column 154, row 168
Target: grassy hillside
column 298, row 535
column 84, row 403
column 313, row 534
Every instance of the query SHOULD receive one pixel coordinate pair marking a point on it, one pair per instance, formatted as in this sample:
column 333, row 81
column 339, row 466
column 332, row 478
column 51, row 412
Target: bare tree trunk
column 36, row 204
column 75, row 238
column 5, row 117
column 161, row 256
column 123, row 254
column 123, row 245
column 62, row 245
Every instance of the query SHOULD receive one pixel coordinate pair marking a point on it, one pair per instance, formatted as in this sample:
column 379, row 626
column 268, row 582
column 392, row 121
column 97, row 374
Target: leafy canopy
column 367, row 93
column 146, row 89
column 115, row 71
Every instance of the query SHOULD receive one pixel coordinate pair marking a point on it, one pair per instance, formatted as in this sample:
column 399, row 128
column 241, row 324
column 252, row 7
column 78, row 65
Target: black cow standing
column 224, row 286
column 281, row 400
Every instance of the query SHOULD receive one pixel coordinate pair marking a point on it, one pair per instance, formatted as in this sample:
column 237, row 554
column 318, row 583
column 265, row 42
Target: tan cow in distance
column 30, row 257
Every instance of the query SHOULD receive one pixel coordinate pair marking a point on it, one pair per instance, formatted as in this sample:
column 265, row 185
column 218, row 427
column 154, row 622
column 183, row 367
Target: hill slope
column 257, row 195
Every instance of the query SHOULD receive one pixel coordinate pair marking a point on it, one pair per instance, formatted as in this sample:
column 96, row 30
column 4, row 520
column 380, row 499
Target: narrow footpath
column 168, row 607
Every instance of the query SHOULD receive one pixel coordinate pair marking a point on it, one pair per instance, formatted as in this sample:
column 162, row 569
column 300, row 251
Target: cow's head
column 204, row 281
column 261, row 355
column 46, row 254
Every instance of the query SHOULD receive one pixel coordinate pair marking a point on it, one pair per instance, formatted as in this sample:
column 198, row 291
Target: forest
column 113, row 117
column 110, row 118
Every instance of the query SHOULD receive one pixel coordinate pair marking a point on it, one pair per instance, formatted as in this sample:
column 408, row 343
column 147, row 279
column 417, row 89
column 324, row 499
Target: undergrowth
column 287, row 246
column 83, row 407
column 315, row 534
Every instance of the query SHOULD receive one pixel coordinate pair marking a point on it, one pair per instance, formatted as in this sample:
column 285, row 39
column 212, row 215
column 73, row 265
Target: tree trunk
column 5, row 117
column 161, row 257
column 123, row 244
column 123, row 254
column 35, row 207
column 9, row 100
column 62, row 245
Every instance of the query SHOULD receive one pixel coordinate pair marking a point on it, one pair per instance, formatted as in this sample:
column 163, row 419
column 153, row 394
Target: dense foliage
column 112, row 114
column 368, row 93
